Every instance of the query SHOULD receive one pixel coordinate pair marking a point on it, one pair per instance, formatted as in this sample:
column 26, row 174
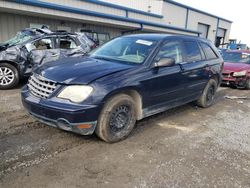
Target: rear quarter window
column 209, row 52
column 67, row 42
column 193, row 52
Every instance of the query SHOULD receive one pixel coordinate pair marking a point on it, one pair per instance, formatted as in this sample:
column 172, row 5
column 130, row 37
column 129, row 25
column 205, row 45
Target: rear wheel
column 9, row 76
column 117, row 119
column 207, row 97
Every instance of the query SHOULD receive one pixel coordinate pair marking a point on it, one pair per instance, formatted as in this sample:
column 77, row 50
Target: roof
column 160, row 36
column 127, row 9
column 196, row 10
column 150, row 36
column 151, row 14
column 75, row 10
column 37, row 31
column 80, row 10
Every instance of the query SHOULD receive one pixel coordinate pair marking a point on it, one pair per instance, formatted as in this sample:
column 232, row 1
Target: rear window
column 210, row 54
column 193, row 51
column 67, row 43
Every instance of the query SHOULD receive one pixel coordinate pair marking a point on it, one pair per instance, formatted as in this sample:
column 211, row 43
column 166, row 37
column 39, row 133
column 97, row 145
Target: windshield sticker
column 144, row 42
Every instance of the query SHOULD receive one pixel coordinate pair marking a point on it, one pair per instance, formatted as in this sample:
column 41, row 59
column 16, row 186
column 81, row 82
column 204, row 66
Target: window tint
column 172, row 50
column 210, row 54
column 42, row 44
column 193, row 51
column 67, row 43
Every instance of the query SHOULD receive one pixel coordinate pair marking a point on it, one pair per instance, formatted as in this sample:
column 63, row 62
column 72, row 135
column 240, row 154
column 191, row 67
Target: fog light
column 63, row 124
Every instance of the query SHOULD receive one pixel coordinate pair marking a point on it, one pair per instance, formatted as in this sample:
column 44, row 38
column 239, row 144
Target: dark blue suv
column 125, row 80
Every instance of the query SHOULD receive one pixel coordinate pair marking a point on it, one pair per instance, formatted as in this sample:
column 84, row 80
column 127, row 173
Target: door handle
column 181, row 66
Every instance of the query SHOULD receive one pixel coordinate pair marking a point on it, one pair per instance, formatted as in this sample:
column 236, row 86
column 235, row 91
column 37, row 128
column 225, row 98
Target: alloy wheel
column 6, row 76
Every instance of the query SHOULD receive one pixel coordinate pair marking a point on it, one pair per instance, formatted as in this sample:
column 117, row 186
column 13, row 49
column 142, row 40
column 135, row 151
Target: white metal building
column 109, row 18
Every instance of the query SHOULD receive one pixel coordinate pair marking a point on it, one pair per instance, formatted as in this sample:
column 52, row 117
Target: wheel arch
column 217, row 78
column 134, row 94
column 11, row 63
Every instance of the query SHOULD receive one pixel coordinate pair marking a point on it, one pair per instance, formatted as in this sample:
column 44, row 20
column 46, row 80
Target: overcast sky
column 236, row 11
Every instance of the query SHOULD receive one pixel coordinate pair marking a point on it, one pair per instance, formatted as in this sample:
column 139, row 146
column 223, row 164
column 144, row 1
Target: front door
column 164, row 86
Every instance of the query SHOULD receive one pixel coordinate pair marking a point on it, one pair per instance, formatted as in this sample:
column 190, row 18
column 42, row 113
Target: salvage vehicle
column 125, row 80
column 33, row 47
column 236, row 71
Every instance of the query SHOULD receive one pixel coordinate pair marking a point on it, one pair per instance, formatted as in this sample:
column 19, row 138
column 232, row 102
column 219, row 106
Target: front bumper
column 235, row 81
column 81, row 119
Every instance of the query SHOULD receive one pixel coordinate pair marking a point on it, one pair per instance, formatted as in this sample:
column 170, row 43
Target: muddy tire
column 207, row 97
column 248, row 84
column 9, row 76
column 117, row 119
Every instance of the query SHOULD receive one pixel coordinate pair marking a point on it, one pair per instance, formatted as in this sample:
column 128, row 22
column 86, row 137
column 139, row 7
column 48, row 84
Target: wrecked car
column 125, row 80
column 34, row 47
column 236, row 71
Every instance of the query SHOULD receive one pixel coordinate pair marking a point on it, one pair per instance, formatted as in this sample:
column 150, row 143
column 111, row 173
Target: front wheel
column 9, row 76
column 117, row 119
column 207, row 97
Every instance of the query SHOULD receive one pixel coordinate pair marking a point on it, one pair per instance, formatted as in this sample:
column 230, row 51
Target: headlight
column 242, row 73
column 75, row 93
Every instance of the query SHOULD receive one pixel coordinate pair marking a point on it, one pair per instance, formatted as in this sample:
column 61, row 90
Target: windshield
column 18, row 39
column 236, row 57
column 125, row 49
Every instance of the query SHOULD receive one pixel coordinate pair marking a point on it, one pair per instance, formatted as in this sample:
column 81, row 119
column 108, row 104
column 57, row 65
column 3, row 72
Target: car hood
column 79, row 70
column 235, row 67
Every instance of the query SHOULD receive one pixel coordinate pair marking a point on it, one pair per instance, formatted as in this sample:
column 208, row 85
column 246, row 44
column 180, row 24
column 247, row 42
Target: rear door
column 213, row 62
column 194, row 69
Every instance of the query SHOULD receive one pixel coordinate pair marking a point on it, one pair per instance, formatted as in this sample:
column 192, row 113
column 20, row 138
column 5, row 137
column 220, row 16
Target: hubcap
column 120, row 118
column 6, row 76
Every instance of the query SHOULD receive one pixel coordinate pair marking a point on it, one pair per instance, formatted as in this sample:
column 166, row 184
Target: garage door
column 221, row 32
column 203, row 28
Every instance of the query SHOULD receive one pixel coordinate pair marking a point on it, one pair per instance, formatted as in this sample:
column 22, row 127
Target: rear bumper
column 81, row 119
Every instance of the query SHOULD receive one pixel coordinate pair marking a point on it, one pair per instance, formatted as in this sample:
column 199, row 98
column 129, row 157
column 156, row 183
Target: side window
column 192, row 51
column 42, row 44
column 210, row 54
column 67, row 43
column 171, row 49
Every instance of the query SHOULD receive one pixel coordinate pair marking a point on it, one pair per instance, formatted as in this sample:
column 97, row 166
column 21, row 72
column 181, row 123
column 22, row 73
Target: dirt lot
column 183, row 147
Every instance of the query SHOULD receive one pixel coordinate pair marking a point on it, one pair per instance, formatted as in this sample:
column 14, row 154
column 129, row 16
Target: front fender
column 17, row 57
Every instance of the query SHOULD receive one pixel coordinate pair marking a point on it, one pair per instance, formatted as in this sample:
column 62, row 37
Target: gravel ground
column 183, row 147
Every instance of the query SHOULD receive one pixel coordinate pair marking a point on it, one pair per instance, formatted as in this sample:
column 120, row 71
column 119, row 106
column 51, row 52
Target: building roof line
column 196, row 10
column 64, row 8
column 98, row 2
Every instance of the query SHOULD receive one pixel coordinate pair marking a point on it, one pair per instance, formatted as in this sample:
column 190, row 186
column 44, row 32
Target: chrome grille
column 41, row 87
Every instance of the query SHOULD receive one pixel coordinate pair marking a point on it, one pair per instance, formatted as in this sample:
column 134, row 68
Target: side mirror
column 165, row 62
